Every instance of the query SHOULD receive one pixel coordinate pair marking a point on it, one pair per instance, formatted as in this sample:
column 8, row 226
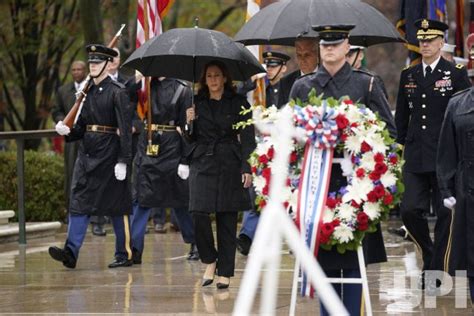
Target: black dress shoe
column 243, row 244
column 120, row 262
column 193, row 253
column 402, row 232
column 136, row 256
column 63, row 255
column 222, row 286
column 98, row 230
column 206, row 282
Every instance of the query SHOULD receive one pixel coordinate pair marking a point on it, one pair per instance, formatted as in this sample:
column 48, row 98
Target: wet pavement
column 166, row 283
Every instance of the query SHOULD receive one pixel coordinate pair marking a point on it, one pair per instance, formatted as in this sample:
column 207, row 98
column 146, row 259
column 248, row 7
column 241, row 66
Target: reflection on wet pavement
column 30, row 282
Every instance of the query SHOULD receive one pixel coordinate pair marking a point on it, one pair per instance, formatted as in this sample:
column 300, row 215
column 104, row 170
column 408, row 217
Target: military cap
column 333, row 34
column 429, row 29
column 99, row 53
column 275, row 58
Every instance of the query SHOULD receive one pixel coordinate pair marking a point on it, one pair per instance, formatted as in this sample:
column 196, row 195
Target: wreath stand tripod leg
column 365, row 284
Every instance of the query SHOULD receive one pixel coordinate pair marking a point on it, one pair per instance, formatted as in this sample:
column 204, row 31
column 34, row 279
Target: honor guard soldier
column 336, row 78
column 100, row 185
column 423, row 96
column 276, row 68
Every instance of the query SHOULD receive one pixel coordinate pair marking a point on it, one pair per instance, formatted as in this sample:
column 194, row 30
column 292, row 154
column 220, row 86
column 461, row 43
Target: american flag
column 150, row 13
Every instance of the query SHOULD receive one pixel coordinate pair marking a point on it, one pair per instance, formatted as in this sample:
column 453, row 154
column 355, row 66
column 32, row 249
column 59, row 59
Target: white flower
column 343, row 233
column 262, row 148
column 353, row 114
column 328, row 215
column 293, row 201
column 377, row 142
column 367, row 161
column 388, row 179
column 346, row 212
column 259, row 182
column 372, row 210
column 352, row 143
column 358, row 190
column 286, row 194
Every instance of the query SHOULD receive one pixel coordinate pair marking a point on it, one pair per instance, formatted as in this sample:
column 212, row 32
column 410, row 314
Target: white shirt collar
column 433, row 65
column 79, row 85
column 315, row 69
column 114, row 76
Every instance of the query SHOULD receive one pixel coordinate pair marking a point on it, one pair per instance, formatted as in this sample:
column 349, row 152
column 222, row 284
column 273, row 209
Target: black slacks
column 226, row 224
column 421, row 189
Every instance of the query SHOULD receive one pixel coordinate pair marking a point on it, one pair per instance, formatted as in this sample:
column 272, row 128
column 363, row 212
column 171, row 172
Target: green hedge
column 44, row 185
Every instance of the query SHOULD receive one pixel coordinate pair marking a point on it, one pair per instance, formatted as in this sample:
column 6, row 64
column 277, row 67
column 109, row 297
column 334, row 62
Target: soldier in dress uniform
column 276, row 68
column 336, row 78
column 161, row 176
column 306, row 52
column 423, row 96
column 100, row 184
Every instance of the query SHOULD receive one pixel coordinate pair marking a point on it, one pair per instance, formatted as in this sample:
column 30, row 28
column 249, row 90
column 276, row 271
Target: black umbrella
column 182, row 53
column 282, row 22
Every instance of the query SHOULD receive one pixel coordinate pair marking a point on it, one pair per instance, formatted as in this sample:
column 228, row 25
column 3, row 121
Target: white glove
column 346, row 165
column 62, row 129
column 183, row 171
column 120, row 171
column 450, row 202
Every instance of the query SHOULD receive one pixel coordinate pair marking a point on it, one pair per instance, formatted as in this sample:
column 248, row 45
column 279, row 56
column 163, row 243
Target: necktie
column 427, row 71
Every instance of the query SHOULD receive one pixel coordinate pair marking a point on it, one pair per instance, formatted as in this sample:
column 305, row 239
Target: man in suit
column 306, row 51
column 423, row 96
column 65, row 99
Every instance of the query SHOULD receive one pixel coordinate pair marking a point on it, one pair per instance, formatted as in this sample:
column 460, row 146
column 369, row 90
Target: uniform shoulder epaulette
column 118, row 84
column 407, row 67
column 459, row 66
column 364, row 72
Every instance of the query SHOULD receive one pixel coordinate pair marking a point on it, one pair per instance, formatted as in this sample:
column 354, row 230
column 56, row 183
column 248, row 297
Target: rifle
column 71, row 115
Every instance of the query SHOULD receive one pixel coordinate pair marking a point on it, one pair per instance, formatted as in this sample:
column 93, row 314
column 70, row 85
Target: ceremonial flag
column 256, row 96
column 410, row 11
column 150, row 13
column 459, row 28
column 437, row 10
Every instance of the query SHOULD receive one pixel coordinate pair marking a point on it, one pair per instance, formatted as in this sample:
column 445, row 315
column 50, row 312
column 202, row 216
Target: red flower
column 262, row 203
column 355, row 204
column 266, row 173
column 374, row 176
column 348, row 102
column 372, row 197
column 331, row 202
column 265, row 190
column 270, row 152
column 288, row 182
column 343, row 137
column 327, row 229
column 286, row 204
column 323, row 239
column 263, row 159
column 335, row 222
column 364, row 147
column 379, row 157
column 381, row 167
column 388, row 199
column 341, row 121
column 254, row 169
column 363, row 221
column 293, row 157
column 393, row 160
column 379, row 191
column 354, row 124
column 360, row 173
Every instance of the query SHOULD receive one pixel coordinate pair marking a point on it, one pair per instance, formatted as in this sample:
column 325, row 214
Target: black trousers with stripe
column 421, row 191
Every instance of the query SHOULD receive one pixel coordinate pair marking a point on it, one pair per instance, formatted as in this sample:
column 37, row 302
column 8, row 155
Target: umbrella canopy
column 282, row 22
column 182, row 53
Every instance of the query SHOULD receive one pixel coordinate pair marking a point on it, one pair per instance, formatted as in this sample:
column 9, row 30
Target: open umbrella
column 182, row 53
column 282, row 22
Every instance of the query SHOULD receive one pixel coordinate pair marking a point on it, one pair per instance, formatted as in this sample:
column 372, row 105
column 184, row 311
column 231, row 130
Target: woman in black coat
column 219, row 171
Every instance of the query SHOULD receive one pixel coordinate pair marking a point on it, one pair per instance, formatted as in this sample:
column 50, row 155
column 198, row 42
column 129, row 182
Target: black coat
column 356, row 84
column 156, row 182
column 286, row 83
column 455, row 171
column 272, row 93
column 95, row 190
column 421, row 104
column 220, row 155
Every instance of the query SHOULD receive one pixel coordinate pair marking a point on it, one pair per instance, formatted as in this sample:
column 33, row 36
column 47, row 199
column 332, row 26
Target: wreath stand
column 274, row 225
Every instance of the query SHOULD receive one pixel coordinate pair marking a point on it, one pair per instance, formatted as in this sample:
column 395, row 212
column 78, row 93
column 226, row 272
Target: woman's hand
column 247, row 180
column 190, row 114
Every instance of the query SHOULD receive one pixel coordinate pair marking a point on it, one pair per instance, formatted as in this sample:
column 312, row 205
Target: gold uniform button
column 423, row 106
column 423, row 95
column 423, row 127
column 423, row 117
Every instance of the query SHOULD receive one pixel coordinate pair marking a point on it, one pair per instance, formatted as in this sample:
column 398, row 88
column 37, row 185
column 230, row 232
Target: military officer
column 100, row 185
column 336, row 78
column 423, row 96
column 276, row 69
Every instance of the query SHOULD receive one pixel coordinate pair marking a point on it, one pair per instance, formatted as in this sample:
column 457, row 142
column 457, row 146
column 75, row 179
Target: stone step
column 10, row 232
column 5, row 216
